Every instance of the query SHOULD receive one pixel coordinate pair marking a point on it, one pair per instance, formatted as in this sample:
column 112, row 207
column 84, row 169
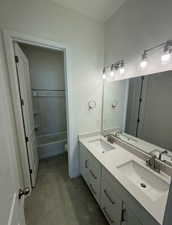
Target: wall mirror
column 141, row 108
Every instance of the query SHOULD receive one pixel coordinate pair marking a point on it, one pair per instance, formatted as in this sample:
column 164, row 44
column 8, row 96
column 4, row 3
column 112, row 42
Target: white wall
column 46, row 67
column 136, row 26
column 10, row 123
column 85, row 40
column 115, row 93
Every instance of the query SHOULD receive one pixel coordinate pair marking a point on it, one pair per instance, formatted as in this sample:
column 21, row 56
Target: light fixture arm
column 144, row 56
column 166, row 45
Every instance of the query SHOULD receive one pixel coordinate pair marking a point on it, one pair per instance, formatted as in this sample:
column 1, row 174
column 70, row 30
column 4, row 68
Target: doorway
column 41, row 84
column 50, row 108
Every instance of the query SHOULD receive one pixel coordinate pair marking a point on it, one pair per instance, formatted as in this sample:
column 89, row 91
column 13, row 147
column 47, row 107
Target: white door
column 11, row 208
column 23, row 73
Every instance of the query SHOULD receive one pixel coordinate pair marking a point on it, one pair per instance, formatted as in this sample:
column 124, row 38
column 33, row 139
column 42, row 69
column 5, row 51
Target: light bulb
column 104, row 76
column 144, row 61
column 104, row 73
column 165, row 57
column 121, row 70
column 143, row 64
column 111, row 73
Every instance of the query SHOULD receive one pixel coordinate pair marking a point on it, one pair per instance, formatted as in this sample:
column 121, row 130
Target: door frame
column 9, row 38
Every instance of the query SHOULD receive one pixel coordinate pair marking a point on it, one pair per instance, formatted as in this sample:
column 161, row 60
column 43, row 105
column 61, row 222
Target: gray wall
column 156, row 114
column 47, row 73
column 156, row 109
column 133, row 105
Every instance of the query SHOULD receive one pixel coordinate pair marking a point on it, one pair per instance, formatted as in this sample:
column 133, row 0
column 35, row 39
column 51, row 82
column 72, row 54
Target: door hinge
column 138, row 120
column 27, row 139
column 22, row 102
column 16, row 59
column 140, row 100
column 30, row 171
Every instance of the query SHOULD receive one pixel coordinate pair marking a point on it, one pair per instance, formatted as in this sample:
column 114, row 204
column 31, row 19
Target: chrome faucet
column 110, row 138
column 153, row 164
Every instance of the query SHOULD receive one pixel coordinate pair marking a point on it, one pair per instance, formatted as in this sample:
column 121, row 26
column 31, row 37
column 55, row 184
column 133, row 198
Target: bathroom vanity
column 128, row 165
column 127, row 191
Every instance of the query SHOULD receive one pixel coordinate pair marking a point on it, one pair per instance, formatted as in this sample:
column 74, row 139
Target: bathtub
column 51, row 145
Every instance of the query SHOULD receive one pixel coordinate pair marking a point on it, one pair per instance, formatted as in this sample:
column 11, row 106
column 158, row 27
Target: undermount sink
column 101, row 145
column 146, row 180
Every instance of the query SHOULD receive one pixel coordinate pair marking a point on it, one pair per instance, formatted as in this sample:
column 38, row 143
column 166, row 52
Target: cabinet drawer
column 88, row 162
column 94, row 173
column 109, row 216
column 110, row 200
column 94, row 188
column 90, row 170
column 109, row 193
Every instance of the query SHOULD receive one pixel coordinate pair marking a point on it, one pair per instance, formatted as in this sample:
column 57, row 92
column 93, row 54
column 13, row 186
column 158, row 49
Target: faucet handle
column 162, row 153
column 149, row 160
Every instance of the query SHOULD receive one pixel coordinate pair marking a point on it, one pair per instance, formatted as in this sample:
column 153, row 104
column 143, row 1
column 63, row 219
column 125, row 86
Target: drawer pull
column 86, row 163
column 93, row 175
column 123, row 216
column 92, row 189
column 108, row 197
column 107, row 215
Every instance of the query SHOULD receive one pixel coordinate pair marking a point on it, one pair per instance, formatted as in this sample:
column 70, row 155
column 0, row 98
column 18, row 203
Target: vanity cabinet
column 90, row 169
column 118, row 206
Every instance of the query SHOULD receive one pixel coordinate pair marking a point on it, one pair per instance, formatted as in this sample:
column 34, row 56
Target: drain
column 143, row 185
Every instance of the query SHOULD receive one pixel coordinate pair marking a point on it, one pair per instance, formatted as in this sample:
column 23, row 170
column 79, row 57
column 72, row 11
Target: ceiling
column 100, row 10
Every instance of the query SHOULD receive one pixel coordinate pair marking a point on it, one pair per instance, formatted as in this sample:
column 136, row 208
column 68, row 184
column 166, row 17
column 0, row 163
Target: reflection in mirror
column 141, row 107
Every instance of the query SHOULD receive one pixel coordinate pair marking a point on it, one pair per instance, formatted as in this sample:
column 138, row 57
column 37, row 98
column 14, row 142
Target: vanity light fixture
column 118, row 66
column 144, row 61
column 167, row 52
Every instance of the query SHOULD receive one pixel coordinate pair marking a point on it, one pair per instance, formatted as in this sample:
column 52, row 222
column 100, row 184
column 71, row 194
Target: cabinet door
column 111, row 203
column 130, row 218
column 90, row 170
column 84, row 161
column 94, row 170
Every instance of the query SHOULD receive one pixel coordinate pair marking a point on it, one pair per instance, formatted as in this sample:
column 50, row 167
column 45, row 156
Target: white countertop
column 114, row 158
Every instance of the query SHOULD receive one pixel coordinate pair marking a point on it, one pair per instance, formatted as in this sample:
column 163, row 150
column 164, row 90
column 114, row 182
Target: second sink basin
column 145, row 179
column 101, row 145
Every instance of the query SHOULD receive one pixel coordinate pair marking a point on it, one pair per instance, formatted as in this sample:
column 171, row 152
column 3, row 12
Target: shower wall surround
column 48, row 90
